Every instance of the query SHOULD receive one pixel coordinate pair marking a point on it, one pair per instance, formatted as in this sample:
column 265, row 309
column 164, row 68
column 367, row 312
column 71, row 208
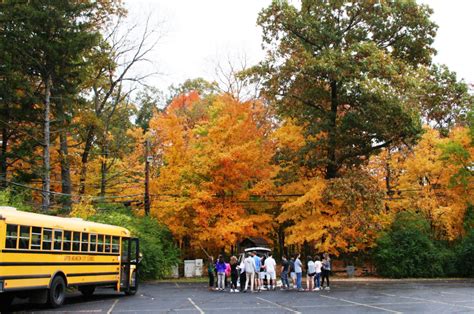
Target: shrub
column 156, row 243
column 465, row 255
column 13, row 198
column 406, row 249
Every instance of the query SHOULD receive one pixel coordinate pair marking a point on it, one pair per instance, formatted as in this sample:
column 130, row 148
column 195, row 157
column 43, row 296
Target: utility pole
column 147, row 177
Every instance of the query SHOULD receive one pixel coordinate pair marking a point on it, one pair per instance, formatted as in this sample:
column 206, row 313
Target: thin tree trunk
column 3, row 158
column 85, row 160
column 3, row 152
column 103, row 169
column 66, row 185
column 46, row 146
column 332, row 168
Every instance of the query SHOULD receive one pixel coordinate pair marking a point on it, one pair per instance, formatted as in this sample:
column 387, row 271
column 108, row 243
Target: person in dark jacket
column 234, row 274
column 211, row 268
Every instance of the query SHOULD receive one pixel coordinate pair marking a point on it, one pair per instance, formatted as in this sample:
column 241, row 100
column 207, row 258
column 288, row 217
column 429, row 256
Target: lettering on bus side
column 79, row 258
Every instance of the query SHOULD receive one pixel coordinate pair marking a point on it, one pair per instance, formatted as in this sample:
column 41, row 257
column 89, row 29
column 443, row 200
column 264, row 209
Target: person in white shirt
column 250, row 270
column 317, row 278
column 310, row 274
column 270, row 270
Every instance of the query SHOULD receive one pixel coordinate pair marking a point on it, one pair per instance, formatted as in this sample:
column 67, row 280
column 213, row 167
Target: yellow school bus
column 41, row 255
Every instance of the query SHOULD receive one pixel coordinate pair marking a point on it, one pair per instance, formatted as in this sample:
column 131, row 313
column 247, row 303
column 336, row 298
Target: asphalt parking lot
column 438, row 296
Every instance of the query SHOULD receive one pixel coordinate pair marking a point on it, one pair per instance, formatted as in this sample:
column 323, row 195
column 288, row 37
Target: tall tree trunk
column 103, row 168
column 66, row 185
column 3, row 158
column 332, row 168
column 46, row 146
column 85, row 159
column 3, row 152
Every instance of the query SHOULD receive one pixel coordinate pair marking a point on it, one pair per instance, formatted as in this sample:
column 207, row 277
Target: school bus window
column 24, row 238
column 93, row 244
column 115, row 244
column 36, row 238
column 67, row 240
column 76, row 241
column 47, row 239
column 100, row 243
column 107, row 244
column 85, row 242
column 58, row 239
column 12, row 237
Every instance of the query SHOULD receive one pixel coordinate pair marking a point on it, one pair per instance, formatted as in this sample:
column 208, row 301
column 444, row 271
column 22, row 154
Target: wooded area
column 346, row 124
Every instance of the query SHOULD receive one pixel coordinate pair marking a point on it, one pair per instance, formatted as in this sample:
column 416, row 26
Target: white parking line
column 431, row 301
column 457, row 293
column 112, row 307
column 278, row 305
column 195, row 305
column 349, row 305
column 359, row 304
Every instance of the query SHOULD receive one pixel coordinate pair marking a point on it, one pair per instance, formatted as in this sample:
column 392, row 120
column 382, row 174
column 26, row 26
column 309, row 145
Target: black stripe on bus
column 59, row 252
column 25, row 288
column 91, row 274
column 57, row 264
column 24, row 277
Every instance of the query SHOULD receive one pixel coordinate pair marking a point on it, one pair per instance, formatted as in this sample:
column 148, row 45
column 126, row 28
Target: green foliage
column 465, row 255
column 406, row 249
column 469, row 218
column 352, row 66
column 201, row 86
column 10, row 197
column 148, row 101
column 156, row 243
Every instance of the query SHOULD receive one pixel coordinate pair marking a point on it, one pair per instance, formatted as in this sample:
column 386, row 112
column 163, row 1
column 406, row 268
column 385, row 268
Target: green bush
column 465, row 255
column 406, row 249
column 156, row 243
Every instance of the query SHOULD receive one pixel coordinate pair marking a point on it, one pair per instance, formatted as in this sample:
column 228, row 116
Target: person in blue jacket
column 220, row 268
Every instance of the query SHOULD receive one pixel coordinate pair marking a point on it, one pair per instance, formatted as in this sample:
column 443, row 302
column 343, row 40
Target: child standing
column 317, row 278
column 326, row 268
column 310, row 274
column 234, row 274
column 220, row 267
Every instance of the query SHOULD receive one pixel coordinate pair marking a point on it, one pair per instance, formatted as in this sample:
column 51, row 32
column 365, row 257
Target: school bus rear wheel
column 57, row 292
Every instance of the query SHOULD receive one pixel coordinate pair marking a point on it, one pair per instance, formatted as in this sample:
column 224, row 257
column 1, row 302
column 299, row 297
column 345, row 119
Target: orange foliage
column 215, row 153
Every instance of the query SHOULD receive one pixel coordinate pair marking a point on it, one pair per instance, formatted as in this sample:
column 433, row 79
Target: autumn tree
column 215, row 153
column 432, row 178
column 347, row 68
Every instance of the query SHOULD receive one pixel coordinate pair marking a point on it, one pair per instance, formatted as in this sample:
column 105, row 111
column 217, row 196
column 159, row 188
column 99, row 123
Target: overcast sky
column 197, row 34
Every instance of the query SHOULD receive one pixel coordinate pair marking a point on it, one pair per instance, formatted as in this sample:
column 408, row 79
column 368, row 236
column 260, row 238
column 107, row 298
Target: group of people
column 260, row 273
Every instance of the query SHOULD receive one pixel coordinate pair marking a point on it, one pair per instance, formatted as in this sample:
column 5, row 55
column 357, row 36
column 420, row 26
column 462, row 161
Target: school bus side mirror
column 140, row 257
